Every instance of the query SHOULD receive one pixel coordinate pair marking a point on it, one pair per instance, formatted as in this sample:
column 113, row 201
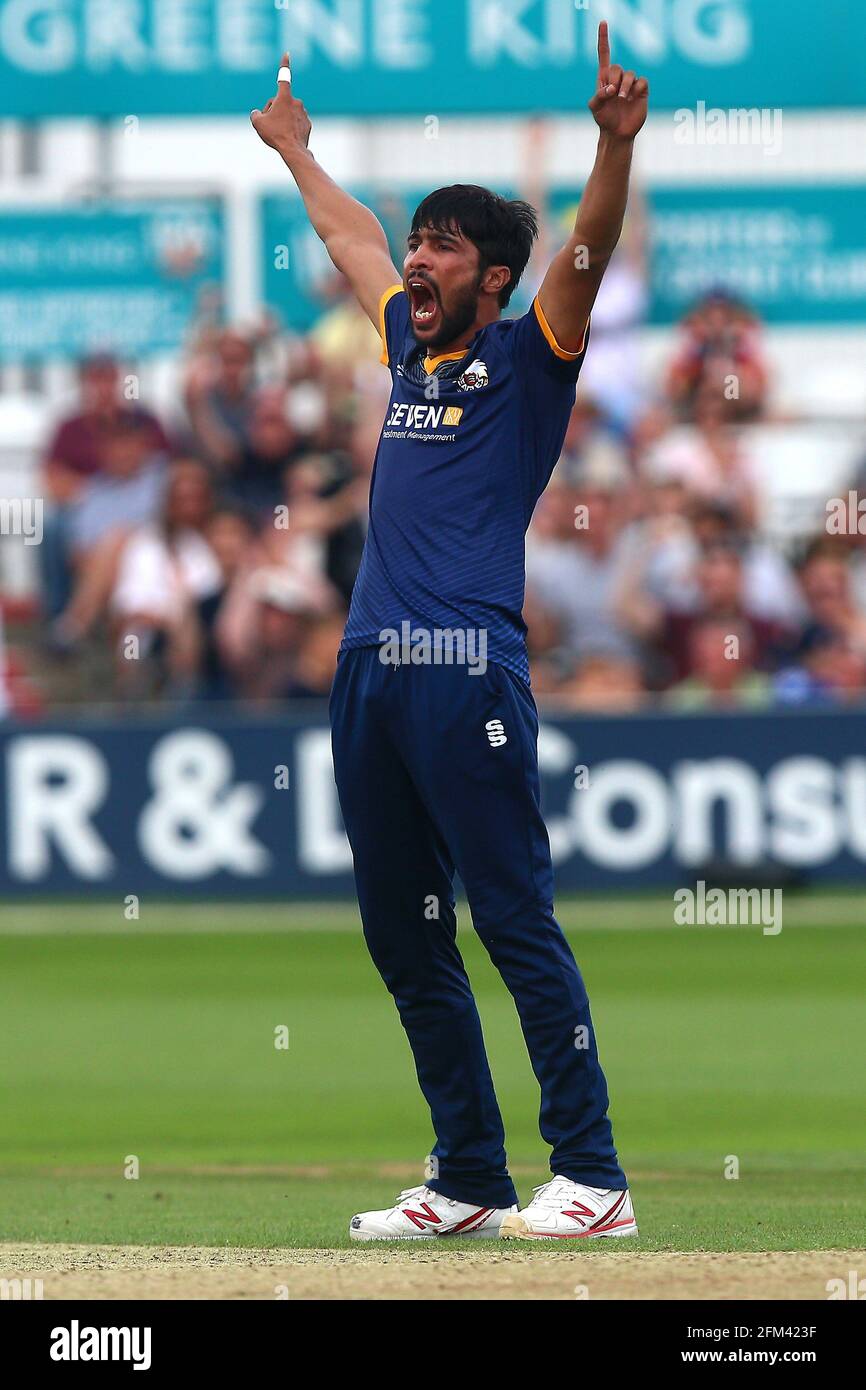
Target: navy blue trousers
column 425, row 787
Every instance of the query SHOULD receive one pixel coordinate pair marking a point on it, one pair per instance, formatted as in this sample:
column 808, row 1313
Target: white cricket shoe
column 562, row 1210
column 422, row 1214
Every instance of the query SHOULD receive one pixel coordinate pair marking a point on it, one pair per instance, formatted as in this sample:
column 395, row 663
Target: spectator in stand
column 826, row 582
column 591, row 450
column 163, row 573
column 720, row 356
column 274, row 600
column 254, row 477
column 827, row 668
column 220, row 398
column 661, row 552
column 573, row 576
column 317, row 659
column 347, row 494
column 307, row 525
column 80, row 450
column 232, row 535
column 602, row 685
column 128, row 492
column 770, row 587
column 721, row 665
column 667, row 631
column 708, row 458
column 270, row 627
column 664, row 550
column 143, row 581
column 344, row 339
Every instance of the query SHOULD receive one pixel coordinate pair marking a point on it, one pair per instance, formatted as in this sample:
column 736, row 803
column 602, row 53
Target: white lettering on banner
column 698, row 787
column 322, row 844
column 397, row 34
column 50, row 36
column 180, row 34
column 197, row 823
column 643, row 27
column 55, row 783
column 808, row 827
column 38, row 35
column 336, row 29
column 111, row 36
column 616, row 846
column 803, row 811
column 495, row 29
column 712, row 33
column 191, row 36
column 245, row 40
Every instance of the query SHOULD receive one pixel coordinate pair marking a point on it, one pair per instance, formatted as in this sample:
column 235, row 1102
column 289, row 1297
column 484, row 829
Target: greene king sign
column 380, row 57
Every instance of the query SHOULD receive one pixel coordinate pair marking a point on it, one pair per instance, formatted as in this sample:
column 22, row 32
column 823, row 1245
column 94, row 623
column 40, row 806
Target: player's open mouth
column 424, row 306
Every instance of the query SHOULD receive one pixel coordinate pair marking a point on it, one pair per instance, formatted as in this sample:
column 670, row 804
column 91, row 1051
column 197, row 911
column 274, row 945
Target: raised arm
column 352, row 234
column 570, row 286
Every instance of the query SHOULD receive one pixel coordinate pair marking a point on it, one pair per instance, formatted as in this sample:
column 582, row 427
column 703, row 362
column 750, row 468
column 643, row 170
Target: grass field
column 155, row 1039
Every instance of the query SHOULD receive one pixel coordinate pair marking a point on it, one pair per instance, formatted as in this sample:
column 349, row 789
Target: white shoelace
column 549, row 1194
column 423, row 1194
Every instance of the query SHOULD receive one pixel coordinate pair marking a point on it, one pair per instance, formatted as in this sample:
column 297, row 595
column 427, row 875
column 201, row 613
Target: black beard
column 455, row 322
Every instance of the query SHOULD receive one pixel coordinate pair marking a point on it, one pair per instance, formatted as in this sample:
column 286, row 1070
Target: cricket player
column 434, row 725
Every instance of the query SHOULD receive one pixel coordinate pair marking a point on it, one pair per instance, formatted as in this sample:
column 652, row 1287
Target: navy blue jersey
column 469, row 442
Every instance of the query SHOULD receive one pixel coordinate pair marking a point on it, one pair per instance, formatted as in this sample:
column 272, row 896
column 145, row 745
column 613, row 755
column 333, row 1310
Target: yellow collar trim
column 431, row 363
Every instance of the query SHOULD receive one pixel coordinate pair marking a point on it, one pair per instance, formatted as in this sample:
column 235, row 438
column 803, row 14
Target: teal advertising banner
column 297, row 276
column 381, row 57
column 125, row 278
column 796, row 253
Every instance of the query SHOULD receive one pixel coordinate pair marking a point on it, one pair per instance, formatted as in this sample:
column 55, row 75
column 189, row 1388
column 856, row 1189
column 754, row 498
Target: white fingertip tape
column 284, row 75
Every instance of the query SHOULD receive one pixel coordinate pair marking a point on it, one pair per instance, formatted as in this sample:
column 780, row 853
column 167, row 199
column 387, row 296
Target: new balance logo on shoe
column 425, row 1217
column 496, row 734
column 578, row 1212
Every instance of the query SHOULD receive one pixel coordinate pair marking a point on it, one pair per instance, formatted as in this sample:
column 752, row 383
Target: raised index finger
column 603, row 47
column 284, row 76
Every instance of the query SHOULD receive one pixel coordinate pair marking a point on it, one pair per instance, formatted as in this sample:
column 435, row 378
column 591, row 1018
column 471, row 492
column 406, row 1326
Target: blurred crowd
column 211, row 555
